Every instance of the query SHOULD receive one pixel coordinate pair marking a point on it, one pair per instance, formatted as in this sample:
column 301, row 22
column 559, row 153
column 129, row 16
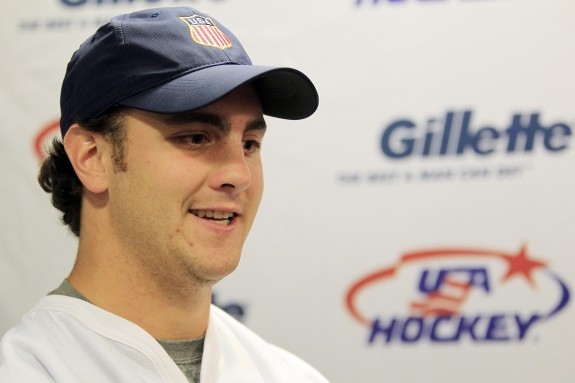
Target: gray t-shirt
column 187, row 354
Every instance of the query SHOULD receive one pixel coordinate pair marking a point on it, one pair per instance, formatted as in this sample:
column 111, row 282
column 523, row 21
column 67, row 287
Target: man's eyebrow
column 258, row 124
column 196, row 117
column 210, row 119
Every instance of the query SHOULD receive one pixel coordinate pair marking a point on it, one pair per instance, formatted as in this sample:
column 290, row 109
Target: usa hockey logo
column 205, row 32
column 450, row 295
column 43, row 139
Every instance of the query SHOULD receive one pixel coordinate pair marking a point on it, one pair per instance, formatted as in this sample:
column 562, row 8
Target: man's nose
column 232, row 172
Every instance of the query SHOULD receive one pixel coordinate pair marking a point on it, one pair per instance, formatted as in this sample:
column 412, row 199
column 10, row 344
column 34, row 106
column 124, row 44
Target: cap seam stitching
column 123, row 37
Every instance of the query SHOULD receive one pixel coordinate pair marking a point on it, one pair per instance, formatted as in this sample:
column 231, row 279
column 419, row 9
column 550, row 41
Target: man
column 159, row 175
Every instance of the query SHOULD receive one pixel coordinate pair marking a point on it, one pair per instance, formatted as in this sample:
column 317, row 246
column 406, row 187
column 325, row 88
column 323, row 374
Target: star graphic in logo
column 520, row 264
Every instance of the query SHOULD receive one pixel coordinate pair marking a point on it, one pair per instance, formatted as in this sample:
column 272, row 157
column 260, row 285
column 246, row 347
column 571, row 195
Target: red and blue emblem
column 205, row 32
column 447, row 295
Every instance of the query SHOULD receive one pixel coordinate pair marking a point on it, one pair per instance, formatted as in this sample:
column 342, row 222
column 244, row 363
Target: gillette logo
column 451, row 295
column 457, row 134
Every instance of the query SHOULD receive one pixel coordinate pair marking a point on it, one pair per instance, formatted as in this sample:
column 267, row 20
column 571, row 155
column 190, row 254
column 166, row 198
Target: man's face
column 185, row 204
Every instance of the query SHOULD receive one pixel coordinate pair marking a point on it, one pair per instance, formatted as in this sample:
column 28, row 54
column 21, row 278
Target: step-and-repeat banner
column 420, row 227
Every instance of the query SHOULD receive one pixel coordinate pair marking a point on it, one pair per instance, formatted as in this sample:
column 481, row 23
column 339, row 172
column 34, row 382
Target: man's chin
column 212, row 274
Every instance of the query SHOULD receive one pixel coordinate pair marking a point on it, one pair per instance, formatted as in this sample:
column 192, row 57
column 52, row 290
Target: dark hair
column 57, row 176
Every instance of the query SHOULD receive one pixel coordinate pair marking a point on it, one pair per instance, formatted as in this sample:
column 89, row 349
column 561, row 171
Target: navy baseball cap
column 170, row 60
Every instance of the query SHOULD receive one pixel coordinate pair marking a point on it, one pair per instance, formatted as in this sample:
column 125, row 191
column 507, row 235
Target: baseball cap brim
column 284, row 92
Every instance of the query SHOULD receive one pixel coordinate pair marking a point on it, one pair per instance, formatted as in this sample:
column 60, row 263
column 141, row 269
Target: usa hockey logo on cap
column 205, row 32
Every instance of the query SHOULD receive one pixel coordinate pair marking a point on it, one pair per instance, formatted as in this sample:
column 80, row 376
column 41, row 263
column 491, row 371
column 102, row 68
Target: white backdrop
column 420, row 227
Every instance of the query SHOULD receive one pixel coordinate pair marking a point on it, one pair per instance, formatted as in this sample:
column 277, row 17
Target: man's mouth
column 219, row 217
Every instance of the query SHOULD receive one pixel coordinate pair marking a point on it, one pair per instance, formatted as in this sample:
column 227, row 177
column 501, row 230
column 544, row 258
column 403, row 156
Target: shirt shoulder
column 230, row 340
column 64, row 339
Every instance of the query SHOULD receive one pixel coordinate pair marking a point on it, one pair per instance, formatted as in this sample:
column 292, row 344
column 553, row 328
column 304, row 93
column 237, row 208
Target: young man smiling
column 159, row 175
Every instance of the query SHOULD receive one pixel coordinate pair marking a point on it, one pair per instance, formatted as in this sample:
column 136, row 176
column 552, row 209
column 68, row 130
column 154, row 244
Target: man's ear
column 87, row 151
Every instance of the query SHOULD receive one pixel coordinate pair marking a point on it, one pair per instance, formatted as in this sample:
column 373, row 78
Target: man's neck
column 115, row 284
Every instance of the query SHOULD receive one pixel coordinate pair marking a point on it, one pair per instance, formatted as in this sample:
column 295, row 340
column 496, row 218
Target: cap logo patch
column 205, row 32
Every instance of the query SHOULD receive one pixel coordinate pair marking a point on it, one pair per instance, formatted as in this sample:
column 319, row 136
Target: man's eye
column 193, row 139
column 252, row 146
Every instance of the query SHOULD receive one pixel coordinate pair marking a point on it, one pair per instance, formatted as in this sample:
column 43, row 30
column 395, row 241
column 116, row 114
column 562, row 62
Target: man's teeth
column 214, row 215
